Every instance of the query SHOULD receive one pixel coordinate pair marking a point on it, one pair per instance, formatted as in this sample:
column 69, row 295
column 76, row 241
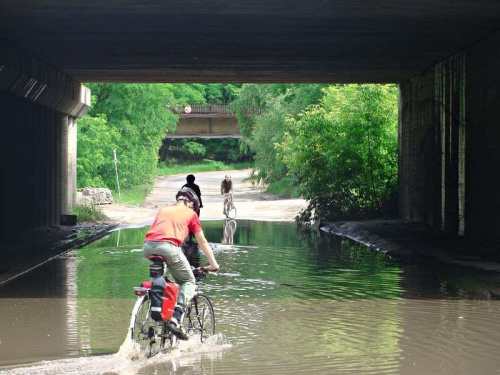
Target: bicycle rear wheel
column 200, row 318
column 151, row 336
column 230, row 210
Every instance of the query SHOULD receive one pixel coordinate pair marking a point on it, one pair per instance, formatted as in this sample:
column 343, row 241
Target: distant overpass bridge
column 207, row 121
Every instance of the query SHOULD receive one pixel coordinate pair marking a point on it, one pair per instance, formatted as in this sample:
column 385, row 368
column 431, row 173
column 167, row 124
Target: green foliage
column 263, row 132
column 194, row 150
column 131, row 118
column 344, row 151
column 168, row 169
column 192, row 147
column 88, row 213
column 220, row 92
column 284, row 188
column 184, row 93
column 96, row 141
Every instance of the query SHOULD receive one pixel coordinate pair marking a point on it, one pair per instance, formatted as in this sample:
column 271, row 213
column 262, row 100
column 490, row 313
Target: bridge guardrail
column 219, row 109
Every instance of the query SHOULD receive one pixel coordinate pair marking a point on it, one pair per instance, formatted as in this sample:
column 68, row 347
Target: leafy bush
column 344, row 151
column 284, row 188
column 263, row 132
column 96, row 142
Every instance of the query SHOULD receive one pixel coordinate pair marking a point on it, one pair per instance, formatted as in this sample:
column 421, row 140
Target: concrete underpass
column 444, row 54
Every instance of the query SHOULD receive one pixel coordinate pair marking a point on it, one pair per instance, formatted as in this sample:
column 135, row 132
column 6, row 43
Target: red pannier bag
column 163, row 299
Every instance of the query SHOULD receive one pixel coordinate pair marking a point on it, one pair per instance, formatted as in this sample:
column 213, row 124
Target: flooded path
column 286, row 303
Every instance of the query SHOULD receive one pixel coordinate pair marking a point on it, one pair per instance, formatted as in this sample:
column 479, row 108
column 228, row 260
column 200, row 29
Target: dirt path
column 250, row 201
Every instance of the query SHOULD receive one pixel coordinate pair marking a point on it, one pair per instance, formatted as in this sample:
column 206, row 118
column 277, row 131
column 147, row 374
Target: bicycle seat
column 152, row 258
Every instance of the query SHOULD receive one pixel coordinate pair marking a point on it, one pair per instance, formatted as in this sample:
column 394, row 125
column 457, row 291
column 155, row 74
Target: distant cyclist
column 226, row 187
column 170, row 228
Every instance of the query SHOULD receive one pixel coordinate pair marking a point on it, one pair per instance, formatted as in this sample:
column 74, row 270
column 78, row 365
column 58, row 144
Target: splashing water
column 130, row 359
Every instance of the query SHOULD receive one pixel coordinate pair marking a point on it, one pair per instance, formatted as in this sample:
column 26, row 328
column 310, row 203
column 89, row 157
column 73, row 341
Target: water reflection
column 285, row 302
column 228, row 231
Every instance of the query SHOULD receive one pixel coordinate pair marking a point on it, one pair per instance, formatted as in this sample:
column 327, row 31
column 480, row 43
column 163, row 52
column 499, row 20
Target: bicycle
column 229, row 230
column 152, row 336
column 229, row 208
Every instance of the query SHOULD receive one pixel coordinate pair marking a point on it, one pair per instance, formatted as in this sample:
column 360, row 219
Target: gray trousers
column 178, row 266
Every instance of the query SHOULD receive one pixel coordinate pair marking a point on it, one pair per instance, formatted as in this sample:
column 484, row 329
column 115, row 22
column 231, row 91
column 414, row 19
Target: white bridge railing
column 217, row 109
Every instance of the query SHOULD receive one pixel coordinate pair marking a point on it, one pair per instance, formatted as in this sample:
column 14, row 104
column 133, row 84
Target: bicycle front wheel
column 151, row 336
column 200, row 318
column 231, row 211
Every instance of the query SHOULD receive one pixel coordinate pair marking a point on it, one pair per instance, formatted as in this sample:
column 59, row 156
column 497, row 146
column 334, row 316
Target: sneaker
column 177, row 329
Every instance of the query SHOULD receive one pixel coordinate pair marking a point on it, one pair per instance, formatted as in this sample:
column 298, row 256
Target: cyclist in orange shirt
column 170, row 228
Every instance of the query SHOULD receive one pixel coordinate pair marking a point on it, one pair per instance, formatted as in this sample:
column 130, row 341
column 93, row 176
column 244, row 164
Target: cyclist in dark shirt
column 190, row 184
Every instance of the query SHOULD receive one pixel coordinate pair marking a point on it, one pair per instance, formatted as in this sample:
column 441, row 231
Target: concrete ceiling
column 246, row 40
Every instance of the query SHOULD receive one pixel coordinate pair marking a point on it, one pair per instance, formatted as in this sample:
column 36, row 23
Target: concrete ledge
column 25, row 75
column 30, row 250
column 410, row 242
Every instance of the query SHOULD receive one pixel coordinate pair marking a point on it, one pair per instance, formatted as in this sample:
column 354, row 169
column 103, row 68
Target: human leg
column 180, row 269
column 224, row 204
column 178, row 266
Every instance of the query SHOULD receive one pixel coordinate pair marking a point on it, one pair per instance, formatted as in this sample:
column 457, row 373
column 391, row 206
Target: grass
column 205, row 166
column 88, row 213
column 284, row 189
column 133, row 196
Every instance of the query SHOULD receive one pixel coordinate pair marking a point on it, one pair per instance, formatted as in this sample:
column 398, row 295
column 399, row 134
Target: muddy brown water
column 286, row 302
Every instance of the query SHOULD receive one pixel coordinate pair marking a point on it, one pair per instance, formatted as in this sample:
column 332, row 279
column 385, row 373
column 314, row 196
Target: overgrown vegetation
column 344, row 152
column 262, row 132
column 132, row 195
column 88, row 213
column 336, row 144
column 192, row 150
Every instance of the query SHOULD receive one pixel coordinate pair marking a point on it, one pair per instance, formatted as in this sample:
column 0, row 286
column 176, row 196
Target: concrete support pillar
column 63, row 166
column 72, row 156
column 448, row 143
column 67, row 166
column 38, row 107
column 449, row 94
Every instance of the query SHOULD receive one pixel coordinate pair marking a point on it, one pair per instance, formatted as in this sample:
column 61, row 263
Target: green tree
column 96, row 142
column 221, row 92
column 262, row 132
column 344, row 151
column 138, row 113
column 134, row 119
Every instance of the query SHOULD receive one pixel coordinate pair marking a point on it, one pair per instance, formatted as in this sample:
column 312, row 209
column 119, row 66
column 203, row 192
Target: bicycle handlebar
column 200, row 272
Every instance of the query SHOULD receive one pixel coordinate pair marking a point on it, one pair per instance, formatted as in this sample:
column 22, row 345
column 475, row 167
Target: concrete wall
column 483, row 138
column 449, row 142
column 38, row 111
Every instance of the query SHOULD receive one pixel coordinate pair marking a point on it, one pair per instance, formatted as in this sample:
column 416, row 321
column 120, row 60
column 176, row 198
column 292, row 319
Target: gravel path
column 251, row 203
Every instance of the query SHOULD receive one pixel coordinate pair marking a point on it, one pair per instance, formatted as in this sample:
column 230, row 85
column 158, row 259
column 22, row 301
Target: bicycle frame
column 197, row 320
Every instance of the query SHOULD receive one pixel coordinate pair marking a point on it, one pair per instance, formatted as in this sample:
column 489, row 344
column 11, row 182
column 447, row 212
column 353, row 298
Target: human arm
column 205, row 247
